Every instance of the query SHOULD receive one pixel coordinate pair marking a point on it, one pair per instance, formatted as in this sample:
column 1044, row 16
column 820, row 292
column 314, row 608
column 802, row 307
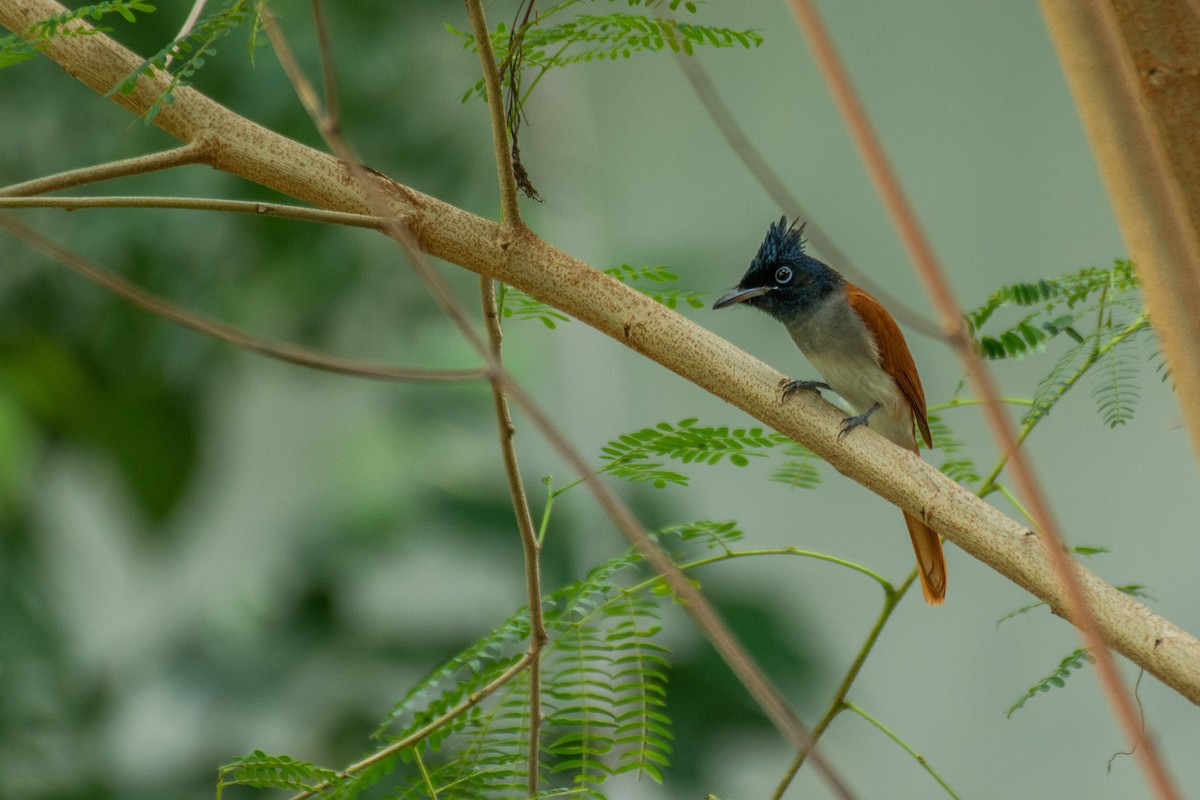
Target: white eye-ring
column 783, row 275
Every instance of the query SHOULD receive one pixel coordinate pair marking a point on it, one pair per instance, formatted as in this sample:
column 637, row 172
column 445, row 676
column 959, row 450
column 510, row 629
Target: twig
column 284, row 352
column 254, row 207
column 333, row 113
column 950, row 313
column 192, row 153
column 892, row 598
column 920, row 759
column 529, row 538
column 511, row 217
column 188, row 25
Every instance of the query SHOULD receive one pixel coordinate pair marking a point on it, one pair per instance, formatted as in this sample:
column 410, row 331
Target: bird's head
column 783, row 280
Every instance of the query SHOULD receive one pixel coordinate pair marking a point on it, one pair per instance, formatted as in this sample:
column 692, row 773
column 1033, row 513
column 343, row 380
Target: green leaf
column 1055, row 679
column 639, row 456
column 549, row 42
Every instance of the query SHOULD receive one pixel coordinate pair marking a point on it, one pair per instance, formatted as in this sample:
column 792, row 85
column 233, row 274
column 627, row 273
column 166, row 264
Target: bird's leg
column 795, row 386
column 850, row 423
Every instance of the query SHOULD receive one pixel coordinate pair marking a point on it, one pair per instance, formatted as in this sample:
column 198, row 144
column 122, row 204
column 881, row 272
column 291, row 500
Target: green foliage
column 1056, row 679
column 182, row 58
column 637, row 456
column 1059, row 303
column 800, row 469
column 264, row 771
column 956, row 466
column 1108, row 300
column 516, row 304
column 604, row 37
column 657, row 277
column 603, row 677
column 15, row 48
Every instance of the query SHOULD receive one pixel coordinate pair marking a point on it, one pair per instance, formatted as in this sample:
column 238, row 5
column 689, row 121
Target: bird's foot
column 850, row 423
column 791, row 387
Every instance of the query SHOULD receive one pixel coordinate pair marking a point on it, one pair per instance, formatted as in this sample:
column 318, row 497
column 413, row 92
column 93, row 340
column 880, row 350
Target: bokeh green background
column 206, row 552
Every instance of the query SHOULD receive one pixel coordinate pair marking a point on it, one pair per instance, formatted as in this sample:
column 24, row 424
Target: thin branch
column 511, row 209
column 188, row 25
column 723, row 640
column 196, row 152
column 950, row 313
column 333, row 113
column 290, row 353
column 529, row 537
column 920, row 759
column 254, row 207
column 891, row 600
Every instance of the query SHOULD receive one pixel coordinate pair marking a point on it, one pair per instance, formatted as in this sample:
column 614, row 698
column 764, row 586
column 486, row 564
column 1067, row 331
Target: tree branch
column 636, row 321
column 292, row 354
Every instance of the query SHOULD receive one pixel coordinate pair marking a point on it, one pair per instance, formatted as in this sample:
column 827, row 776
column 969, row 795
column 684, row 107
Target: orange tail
column 931, row 561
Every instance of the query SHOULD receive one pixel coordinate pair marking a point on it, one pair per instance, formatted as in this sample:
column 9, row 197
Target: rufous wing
column 893, row 354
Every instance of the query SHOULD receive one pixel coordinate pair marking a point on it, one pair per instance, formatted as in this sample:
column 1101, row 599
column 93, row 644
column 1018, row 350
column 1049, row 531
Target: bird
column 859, row 351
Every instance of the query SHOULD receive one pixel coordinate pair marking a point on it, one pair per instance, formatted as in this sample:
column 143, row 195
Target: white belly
column 839, row 347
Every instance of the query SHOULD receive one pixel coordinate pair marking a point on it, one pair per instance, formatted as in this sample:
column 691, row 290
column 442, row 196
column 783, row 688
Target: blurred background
column 207, row 552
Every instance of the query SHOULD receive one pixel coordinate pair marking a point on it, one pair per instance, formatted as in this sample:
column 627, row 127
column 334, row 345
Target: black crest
column 784, row 242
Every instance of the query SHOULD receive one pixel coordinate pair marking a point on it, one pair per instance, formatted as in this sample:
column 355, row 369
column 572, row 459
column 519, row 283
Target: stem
column 293, row 354
column 511, row 217
column 255, row 207
column 194, row 152
column 920, row 759
column 837, row 704
column 529, row 538
column 332, row 111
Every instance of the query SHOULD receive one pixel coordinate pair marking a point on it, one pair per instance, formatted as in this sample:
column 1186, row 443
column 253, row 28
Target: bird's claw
column 850, row 423
column 791, row 387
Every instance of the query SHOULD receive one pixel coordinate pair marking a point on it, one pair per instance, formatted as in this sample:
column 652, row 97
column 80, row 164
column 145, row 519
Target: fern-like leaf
column 955, row 467
column 514, row 303
column 1115, row 389
column 263, row 771
column 636, row 456
column 1056, row 679
column 1060, row 305
column 601, row 37
column 800, row 470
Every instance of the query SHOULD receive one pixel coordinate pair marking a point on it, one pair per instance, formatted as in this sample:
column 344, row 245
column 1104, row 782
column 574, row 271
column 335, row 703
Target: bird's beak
column 740, row 295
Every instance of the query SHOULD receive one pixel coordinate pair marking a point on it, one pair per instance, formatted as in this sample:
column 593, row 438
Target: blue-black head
column 783, row 280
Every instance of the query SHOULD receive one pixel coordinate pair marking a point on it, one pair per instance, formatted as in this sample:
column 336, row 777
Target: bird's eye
column 783, row 275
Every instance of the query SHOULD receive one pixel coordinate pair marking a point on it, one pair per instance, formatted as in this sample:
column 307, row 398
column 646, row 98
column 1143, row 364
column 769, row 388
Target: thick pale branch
column 524, row 261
